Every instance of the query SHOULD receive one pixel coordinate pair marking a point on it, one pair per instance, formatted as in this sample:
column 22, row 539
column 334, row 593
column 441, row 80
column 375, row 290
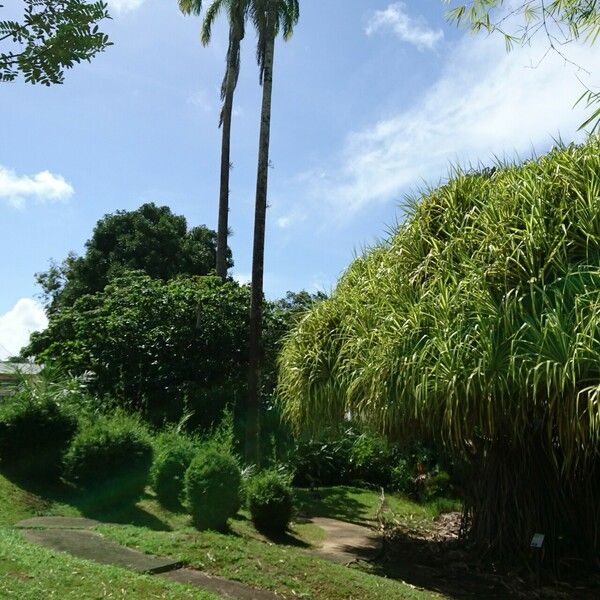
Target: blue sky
column 373, row 99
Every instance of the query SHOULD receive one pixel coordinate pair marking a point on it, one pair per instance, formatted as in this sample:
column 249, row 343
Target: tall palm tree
column 269, row 18
column 236, row 13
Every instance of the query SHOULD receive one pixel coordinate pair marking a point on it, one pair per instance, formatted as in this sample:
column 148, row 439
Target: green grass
column 30, row 572
column 360, row 506
column 285, row 566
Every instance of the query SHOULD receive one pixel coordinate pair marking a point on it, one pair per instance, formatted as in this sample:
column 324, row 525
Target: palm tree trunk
column 223, row 227
column 258, row 259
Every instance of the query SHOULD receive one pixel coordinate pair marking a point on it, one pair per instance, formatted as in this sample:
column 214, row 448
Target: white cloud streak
column 486, row 103
column 410, row 30
column 123, row 6
column 44, row 187
column 18, row 324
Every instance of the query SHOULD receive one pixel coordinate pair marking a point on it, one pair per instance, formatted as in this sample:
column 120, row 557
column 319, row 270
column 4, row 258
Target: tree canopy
column 161, row 347
column 150, row 239
column 52, row 36
column 477, row 324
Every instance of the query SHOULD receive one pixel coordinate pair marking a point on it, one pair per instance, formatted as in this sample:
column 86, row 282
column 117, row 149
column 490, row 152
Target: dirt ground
column 438, row 560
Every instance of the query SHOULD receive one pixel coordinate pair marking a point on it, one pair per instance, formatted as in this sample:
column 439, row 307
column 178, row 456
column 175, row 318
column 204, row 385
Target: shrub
column 343, row 456
column 371, row 459
column 212, row 488
column 271, row 502
column 111, row 457
column 35, row 431
column 173, row 453
column 401, row 478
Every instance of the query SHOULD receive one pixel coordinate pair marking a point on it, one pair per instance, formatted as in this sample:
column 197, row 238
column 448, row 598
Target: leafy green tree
column 560, row 21
column 269, row 17
column 159, row 347
column 150, row 239
column 53, row 36
column 236, row 14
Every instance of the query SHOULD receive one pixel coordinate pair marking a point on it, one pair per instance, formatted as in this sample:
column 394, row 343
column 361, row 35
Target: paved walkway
column 345, row 543
column 74, row 536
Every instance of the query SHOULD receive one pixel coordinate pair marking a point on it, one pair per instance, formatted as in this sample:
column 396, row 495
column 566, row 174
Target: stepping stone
column 223, row 587
column 57, row 523
column 346, row 542
column 92, row 546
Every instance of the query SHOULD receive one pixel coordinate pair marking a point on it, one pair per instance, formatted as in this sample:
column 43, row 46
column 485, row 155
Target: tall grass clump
column 477, row 324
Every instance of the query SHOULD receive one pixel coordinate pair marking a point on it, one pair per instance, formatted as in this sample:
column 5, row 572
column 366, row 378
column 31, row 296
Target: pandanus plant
column 477, row 324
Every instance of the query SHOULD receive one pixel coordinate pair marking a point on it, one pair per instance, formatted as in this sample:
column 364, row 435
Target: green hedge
column 111, row 458
column 212, row 487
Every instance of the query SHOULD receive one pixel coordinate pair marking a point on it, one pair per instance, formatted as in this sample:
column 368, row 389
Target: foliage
column 53, row 36
column 560, row 21
column 150, row 239
column 110, row 457
column 173, row 453
column 477, row 324
column 270, row 501
column 342, row 455
column 36, row 428
column 165, row 348
column 212, row 487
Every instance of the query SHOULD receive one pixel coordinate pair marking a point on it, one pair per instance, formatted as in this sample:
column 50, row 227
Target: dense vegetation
column 150, row 239
column 163, row 348
column 477, row 325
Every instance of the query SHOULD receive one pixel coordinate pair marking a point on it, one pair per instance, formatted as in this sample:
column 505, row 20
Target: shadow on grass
column 440, row 566
column 100, row 505
column 333, row 503
column 287, row 539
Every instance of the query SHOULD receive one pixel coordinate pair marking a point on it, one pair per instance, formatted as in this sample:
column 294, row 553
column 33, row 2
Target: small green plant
column 271, row 501
column 402, row 479
column 35, row 430
column 111, row 457
column 173, row 453
column 212, row 488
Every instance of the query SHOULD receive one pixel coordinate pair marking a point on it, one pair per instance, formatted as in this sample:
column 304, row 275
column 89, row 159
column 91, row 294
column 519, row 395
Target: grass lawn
column 29, row 572
column 243, row 554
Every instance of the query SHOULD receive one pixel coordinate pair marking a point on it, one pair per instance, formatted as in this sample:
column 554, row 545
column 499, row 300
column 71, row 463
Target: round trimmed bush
column 35, row 431
column 111, row 457
column 271, row 502
column 173, row 453
column 212, row 488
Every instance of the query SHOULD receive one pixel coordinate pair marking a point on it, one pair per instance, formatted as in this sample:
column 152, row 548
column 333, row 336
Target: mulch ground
column 438, row 560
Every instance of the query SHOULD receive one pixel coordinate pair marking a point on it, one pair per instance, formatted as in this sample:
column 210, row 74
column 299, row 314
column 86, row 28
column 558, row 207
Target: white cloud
column 122, row 6
column 18, row 324
column 409, row 30
column 486, row 103
column 202, row 100
column 284, row 222
column 43, row 187
column 243, row 278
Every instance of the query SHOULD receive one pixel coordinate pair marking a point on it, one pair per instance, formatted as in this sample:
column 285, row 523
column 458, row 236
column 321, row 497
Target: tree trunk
column 258, row 257
column 226, row 117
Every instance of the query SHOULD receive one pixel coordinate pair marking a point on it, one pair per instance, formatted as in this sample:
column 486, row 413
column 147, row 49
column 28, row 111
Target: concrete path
column 347, row 543
column 223, row 587
column 73, row 536
column 92, row 546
